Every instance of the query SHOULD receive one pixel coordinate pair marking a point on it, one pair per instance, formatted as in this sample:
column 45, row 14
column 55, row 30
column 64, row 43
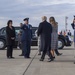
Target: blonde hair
column 52, row 21
column 44, row 18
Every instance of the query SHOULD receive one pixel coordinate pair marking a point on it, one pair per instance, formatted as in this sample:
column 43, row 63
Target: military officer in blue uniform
column 26, row 37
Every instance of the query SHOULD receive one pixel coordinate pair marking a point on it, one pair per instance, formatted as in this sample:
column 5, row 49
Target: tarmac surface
column 62, row 65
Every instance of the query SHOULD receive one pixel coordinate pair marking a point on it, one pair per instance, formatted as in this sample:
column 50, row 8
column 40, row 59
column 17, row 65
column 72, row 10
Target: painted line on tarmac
column 29, row 64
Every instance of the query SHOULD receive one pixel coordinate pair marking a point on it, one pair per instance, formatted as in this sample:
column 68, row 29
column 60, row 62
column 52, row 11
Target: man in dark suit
column 45, row 30
column 26, row 38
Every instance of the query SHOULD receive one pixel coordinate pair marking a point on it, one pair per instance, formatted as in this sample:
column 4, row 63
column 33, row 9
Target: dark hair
column 52, row 19
column 10, row 21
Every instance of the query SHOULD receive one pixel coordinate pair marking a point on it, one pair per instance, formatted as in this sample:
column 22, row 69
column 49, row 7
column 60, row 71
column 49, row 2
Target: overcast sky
column 17, row 10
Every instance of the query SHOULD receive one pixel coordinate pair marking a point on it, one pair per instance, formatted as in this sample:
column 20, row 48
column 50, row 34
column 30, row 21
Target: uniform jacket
column 27, row 32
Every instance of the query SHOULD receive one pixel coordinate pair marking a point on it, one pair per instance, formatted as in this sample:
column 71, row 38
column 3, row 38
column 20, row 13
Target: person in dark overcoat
column 26, row 38
column 10, row 34
column 73, row 26
column 69, row 33
column 45, row 30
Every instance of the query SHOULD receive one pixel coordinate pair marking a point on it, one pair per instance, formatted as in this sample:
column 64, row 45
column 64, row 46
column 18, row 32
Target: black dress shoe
column 29, row 57
column 41, row 59
column 12, row 57
column 39, row 54
column 50, row 60
column 21, row 55
column 59, row 54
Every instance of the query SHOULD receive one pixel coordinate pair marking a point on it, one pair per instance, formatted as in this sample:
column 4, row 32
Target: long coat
column 10, row 33
column 45, row 30
column 54, row 38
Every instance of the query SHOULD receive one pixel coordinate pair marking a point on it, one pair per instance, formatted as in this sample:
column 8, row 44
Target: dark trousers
column 46, row 50
column 9, row 51
column 26, row 48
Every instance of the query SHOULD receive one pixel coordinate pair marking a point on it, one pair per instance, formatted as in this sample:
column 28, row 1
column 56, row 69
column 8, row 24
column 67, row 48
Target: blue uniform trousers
column 26, row 48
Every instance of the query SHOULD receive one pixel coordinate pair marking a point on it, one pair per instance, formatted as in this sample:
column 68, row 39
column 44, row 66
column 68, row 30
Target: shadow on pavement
column 69, row 49
column 64, row 61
